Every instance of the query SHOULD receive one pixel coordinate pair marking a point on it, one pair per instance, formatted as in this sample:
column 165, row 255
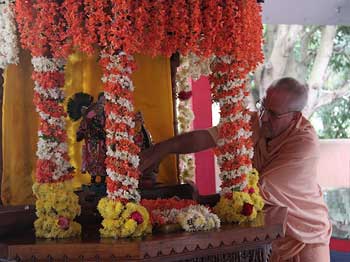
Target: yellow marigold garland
column 129, row 220
column 56, row 207
column 241, row 206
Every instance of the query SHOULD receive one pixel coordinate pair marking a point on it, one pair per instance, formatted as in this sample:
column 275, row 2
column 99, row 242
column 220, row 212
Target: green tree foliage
column 318, row 56
column 335, row 119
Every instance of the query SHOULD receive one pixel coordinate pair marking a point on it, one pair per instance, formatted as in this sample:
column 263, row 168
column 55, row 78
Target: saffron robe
column 287, row 166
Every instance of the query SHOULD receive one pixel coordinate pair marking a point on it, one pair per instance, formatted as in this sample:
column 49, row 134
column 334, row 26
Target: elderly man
column 286, row 152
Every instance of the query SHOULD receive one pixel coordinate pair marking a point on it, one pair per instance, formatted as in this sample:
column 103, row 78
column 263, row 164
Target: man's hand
column 150, row 158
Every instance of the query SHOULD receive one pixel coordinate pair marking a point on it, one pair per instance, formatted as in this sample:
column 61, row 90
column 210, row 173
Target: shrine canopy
column 205, row 28
column 228, row 31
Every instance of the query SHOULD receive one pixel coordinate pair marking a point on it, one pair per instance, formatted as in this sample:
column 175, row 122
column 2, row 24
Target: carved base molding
column 234, row 243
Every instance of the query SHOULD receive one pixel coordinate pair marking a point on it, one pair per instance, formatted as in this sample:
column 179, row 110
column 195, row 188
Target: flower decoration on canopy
column 226, row 32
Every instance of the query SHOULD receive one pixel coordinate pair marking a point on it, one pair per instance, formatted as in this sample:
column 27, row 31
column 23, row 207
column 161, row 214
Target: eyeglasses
column 262, row 110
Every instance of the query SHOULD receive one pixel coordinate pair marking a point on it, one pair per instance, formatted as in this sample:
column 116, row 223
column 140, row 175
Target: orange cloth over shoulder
column 288, row 177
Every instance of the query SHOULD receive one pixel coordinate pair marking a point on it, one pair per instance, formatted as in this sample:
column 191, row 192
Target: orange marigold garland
column 123, row 216
column 235, row 151
column 204, row 28
column 240, row 198
column 42, row 31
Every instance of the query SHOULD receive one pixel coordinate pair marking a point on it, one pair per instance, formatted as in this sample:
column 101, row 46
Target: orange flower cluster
column 167, row 204
column 43, row 27
column 153, row 27
column 89, row 23
column 49, row 79
column 204, row 28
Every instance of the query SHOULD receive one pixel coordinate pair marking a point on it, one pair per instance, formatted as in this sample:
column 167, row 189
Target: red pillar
column 201, row 102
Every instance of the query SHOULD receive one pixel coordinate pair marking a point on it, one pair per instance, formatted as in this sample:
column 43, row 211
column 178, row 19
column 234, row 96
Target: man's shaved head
column 285, row 99
column 297, row 93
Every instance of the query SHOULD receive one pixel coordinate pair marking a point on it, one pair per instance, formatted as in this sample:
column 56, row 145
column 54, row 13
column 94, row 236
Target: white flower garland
column 57, row 94
column 198, row 218
column 227, row 175
column 122, row 179
column 191, row 66
column 125, row 81
column 8, row 35
column 122, row 120
column 120, row 101
column 125, row 156
column 191, row 218
column 131, row 194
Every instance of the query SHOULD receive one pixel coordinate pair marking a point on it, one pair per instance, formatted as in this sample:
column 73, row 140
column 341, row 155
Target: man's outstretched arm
column 191, row 142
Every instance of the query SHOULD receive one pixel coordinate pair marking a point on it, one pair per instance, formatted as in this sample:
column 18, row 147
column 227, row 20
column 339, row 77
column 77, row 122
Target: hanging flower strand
column 191, row 67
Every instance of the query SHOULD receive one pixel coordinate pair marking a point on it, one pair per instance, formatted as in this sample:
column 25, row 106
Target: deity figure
column 91, row 130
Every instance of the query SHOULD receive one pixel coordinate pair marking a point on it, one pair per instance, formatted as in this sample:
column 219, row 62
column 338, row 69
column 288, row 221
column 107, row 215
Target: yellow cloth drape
column 20, row 121
column 153, row 97
column 20, row 124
